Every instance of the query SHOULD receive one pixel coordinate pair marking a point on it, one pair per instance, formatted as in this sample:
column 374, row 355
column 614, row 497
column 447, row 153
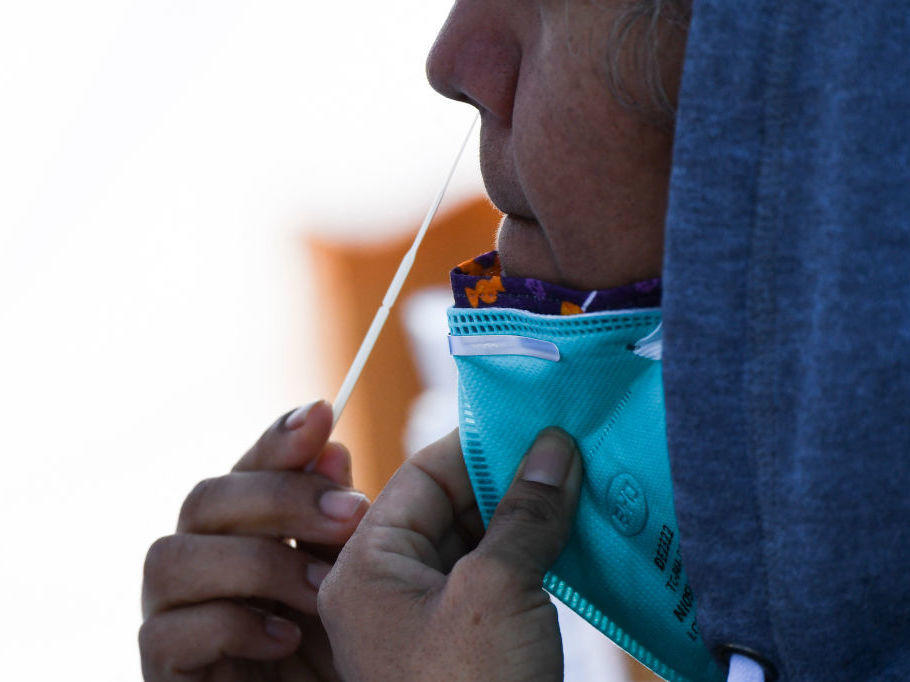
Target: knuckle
column 531, row 507
column 157, row 648
column 146, row 637
column 485, row 573
column 152, row 642
column 195, row 502
column 157, row 559
column 167, row 557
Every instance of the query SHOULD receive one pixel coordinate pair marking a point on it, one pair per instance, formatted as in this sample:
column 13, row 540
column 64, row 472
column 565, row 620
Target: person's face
column 582, row 179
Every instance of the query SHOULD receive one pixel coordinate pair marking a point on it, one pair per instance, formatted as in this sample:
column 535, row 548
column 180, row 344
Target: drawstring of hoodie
column 745, row 669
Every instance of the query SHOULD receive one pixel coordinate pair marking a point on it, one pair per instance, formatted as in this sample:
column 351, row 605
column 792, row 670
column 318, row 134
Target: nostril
column 443, row 77
column 441, row 74
column 476, row 62
column 480, row 74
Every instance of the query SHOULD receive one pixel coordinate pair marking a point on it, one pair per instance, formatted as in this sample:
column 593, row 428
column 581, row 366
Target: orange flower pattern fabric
column 487, row 290
column 480, row 283
column 569, row 308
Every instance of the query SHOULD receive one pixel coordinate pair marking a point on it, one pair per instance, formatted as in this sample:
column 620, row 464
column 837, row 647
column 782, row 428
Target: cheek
column 542, row 138
column 592, row 172
column 566, row 140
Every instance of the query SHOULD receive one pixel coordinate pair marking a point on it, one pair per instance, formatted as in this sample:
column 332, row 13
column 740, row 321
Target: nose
column 477, row 57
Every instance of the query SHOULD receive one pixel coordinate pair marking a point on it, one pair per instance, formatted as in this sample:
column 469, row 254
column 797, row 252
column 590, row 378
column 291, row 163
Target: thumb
column 532, row 522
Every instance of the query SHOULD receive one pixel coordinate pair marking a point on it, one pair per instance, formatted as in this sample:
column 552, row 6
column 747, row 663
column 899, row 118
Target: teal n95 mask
column 598, row 377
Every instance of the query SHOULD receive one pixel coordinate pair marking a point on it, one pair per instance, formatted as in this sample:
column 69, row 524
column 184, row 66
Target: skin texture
column 581, row 178
column 412, row 598
column 224, row 598
column 418, row 593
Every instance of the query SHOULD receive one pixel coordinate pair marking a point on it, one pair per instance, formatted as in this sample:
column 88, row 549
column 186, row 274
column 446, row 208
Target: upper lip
column 500, row 178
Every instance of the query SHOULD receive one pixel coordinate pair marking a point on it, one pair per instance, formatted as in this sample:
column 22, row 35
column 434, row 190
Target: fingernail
column 316, row 573
column 297, row 418
column 281, row 629
column 549, row 459
column 341, row 505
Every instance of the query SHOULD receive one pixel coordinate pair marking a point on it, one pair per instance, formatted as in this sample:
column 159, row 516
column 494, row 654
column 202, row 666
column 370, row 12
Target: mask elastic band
column 360, row 360
column 650, row 347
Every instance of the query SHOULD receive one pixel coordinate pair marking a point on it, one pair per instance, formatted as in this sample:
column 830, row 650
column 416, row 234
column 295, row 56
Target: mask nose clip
column 503, row 344
column 651, row 346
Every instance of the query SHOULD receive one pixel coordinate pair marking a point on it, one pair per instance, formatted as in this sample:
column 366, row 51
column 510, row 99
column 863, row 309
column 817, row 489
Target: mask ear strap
column 651, row 346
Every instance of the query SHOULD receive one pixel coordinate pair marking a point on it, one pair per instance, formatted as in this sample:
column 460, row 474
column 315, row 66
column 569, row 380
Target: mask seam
column 597, row 618
column 608, row 427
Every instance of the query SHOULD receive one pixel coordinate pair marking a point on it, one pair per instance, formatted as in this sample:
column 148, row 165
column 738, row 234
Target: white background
column 160, row 161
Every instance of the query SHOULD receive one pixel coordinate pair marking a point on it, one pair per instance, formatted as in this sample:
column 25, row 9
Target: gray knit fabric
column 787, row 332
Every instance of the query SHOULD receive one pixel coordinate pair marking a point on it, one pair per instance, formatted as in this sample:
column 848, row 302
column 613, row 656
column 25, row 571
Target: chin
column 524, row 250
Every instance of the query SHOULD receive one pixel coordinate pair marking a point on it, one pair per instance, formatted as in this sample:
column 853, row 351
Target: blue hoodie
column 787, row 332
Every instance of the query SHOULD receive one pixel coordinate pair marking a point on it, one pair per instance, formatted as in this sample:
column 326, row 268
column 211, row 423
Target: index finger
column 293, row 442
column 428, row 494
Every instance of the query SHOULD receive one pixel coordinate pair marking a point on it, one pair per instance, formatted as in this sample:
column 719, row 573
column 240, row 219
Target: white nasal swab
column 360, row 360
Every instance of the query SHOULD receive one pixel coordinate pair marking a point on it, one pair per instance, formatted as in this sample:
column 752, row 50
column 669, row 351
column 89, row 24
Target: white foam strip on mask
column 652, row 346
column 503, row 344
column 360, row 360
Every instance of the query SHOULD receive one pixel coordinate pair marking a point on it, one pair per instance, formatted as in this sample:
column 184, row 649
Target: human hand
column 421, row 593
column 226, row 597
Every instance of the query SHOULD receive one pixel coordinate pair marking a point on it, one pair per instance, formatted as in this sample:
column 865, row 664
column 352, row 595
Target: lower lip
column 523, row 247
